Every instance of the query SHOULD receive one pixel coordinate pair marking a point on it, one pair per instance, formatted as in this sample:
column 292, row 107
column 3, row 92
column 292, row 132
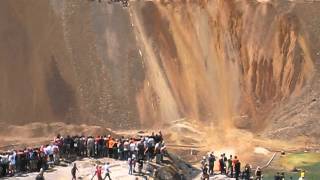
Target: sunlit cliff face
column 217, row 64
column 224, row 63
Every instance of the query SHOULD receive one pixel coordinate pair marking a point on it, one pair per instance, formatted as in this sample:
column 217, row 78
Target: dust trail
column 167, row 105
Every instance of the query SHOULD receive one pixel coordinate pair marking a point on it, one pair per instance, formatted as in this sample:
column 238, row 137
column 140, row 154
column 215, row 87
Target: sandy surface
column 119, row 170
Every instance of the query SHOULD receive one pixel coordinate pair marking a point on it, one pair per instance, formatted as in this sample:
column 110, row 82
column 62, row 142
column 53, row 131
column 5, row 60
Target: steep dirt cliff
column 69, row 61
column 250, row 65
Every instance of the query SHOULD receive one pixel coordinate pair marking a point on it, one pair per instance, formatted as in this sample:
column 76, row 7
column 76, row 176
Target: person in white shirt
column 12, row 162
column 132, row 148
column 106, row 171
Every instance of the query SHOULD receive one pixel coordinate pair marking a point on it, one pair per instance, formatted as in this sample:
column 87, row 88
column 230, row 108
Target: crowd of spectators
column 135, row 149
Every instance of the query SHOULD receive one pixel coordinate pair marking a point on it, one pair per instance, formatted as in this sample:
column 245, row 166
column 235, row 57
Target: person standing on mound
column 74, row 171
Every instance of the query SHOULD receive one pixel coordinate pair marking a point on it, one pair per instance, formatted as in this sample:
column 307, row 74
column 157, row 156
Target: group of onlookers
column 133, row 149
column 26, row 160
column 230, row 167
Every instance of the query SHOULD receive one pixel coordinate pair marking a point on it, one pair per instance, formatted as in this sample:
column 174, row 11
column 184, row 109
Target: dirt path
column 119, row 171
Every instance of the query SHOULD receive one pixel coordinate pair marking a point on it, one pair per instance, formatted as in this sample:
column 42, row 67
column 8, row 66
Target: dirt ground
column 119, row 171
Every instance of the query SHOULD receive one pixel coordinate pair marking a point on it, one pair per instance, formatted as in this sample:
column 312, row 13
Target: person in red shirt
column 98, row 172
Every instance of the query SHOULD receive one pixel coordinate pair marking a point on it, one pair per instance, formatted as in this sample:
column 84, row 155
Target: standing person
column 56, row 154
column 74, row 171
column 158, row 152
column 4, row 164
column 258, row 173
column 134, row 161
column 302, row 175
column 163, row 150
column 203, row 161
column 237, row 167
column 247, row 172
column 132, row 148
column 110, row 146
column 106, row 171
column 140, row 148
column 130, row 163
column 151, row 147
column 12, row 163
column 205, row 175
column 98, row 172
column 115, row 149
column 120, row 149
column 230, row 166
column 90, row 146
column 126, row 149
column 211, row 160
column 222, row 164
column 76, row 145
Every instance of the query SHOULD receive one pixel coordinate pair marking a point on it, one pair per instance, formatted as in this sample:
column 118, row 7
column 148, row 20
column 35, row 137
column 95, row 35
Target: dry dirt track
column 86, row 168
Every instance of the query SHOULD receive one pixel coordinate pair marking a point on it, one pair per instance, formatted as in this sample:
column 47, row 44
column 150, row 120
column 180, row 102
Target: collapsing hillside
column 227, row 64
column 231, row 63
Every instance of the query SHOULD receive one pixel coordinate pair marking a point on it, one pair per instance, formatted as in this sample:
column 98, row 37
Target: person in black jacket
column 222, row 165
column 211, row 161
column 237, row 168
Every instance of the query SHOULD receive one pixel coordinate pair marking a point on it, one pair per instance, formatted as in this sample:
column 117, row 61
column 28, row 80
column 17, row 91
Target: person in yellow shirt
column 302, row 174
